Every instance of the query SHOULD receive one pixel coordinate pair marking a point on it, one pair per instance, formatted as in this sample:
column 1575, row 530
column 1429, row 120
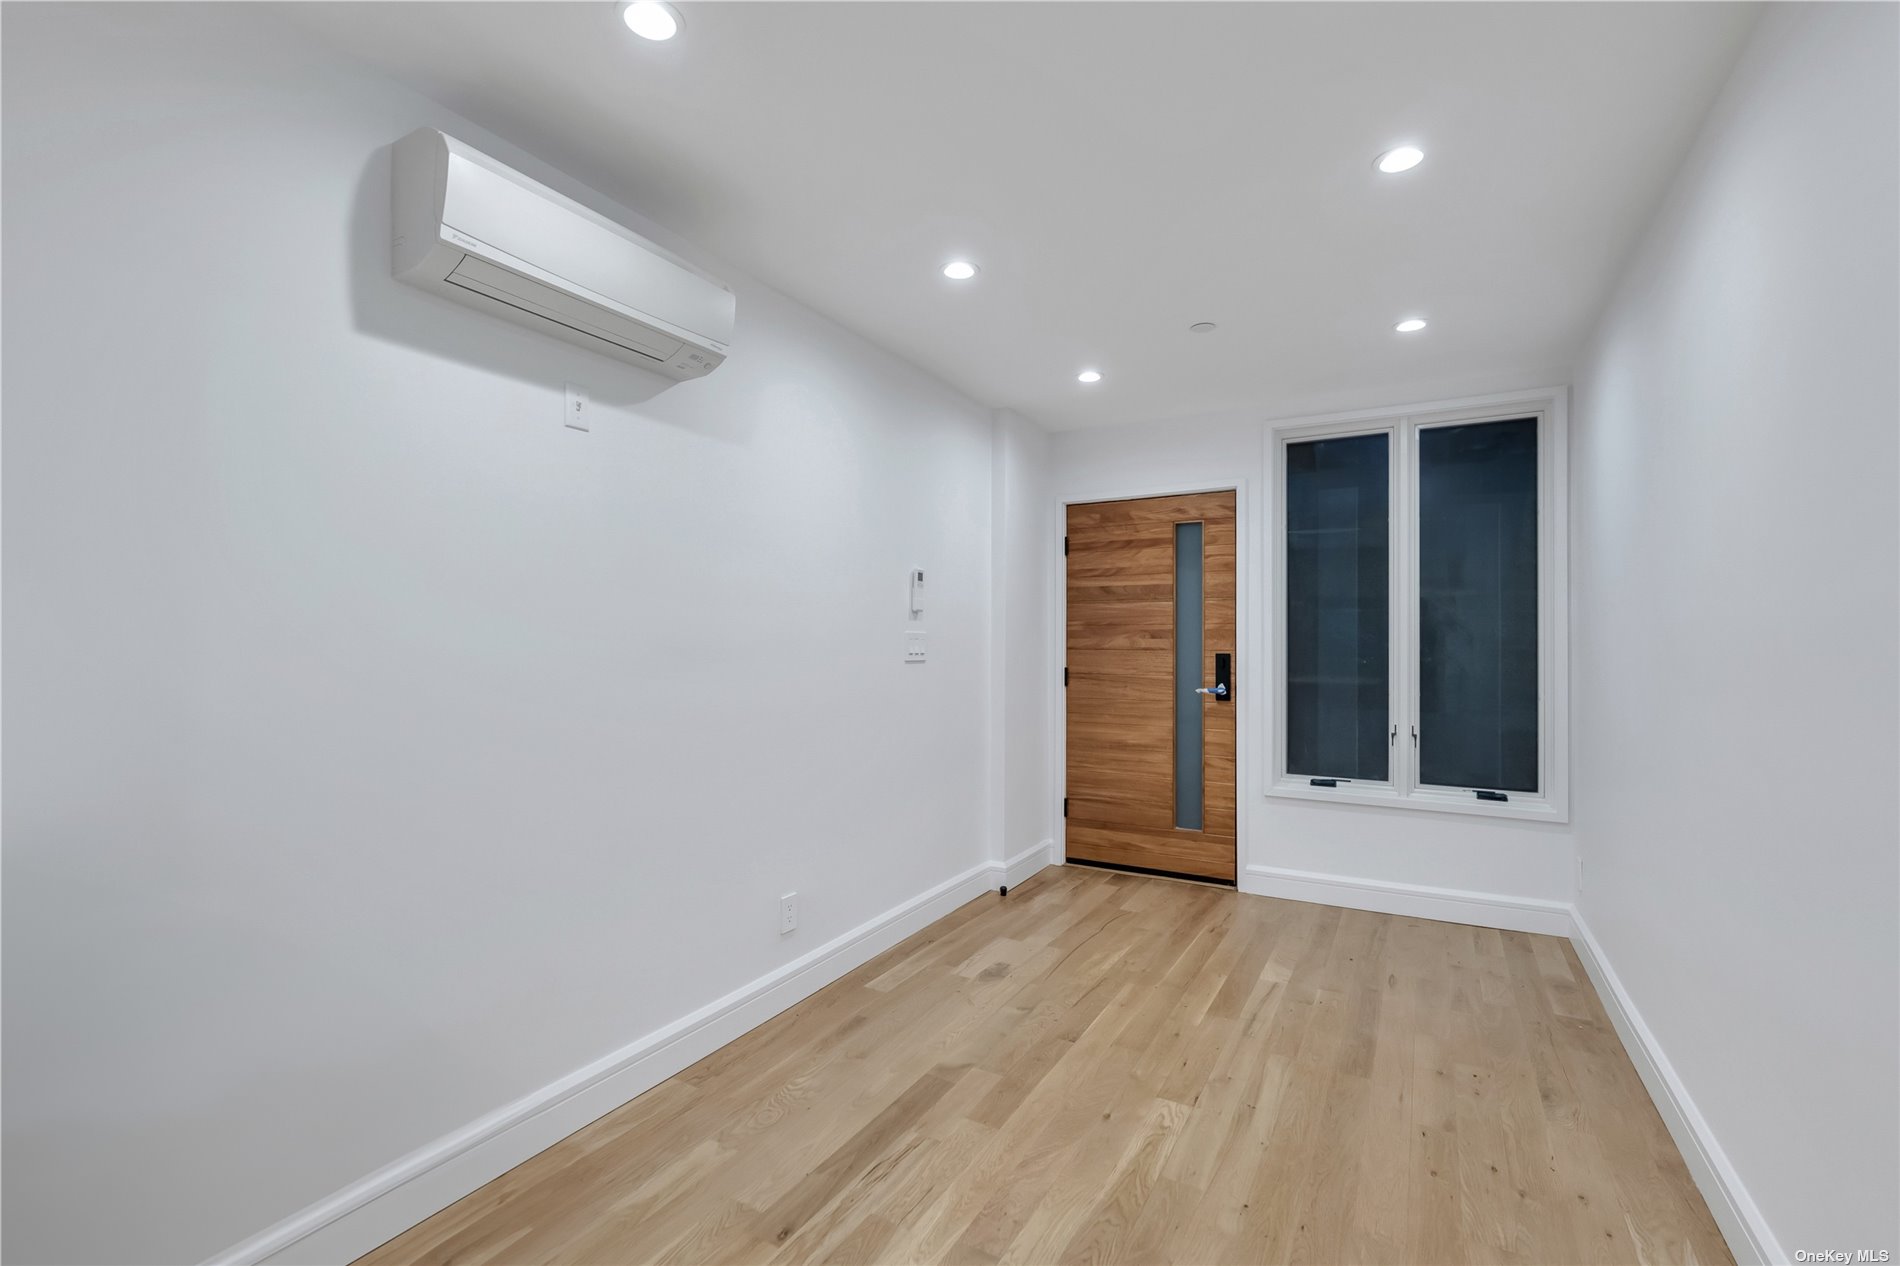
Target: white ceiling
column 1119, row 171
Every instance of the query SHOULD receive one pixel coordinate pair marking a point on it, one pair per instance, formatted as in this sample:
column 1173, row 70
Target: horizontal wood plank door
column 1125, row 684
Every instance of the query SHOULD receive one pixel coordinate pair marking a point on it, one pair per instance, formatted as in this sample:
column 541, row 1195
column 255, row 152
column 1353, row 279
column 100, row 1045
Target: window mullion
column 1404, row 609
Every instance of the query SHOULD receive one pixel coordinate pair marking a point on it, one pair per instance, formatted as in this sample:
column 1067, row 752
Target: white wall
column 1510, row 859
column 1734, row 548
column 379, row 750
column 1026, row 541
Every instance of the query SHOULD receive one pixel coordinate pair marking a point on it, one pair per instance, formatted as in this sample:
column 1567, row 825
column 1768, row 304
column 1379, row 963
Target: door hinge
column 1065, row 806
column 1065, row 547
column 1065, row 674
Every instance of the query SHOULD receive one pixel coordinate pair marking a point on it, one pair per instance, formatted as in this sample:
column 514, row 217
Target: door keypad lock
column 1223, row 688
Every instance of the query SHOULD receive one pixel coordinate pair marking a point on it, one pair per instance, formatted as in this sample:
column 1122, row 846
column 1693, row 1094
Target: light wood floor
column 1111, row 1068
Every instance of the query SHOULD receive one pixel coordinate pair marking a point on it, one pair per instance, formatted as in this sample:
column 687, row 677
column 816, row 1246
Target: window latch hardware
column 1490, row 795
column 1415, row 736
column 1323, row 782
column 1394, row 738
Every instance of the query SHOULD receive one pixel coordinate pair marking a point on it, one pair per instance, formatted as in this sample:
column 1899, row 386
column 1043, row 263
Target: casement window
column 1419, row 609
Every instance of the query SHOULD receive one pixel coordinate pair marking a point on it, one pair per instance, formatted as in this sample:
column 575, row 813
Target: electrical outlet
column 914, row 646
column 787, row 913
column 575, row 409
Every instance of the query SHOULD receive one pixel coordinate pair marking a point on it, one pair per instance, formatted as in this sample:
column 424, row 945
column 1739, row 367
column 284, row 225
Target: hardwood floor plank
column 1109, row 1068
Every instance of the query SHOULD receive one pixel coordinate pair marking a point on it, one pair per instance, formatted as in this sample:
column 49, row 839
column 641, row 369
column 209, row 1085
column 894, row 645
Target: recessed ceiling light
column 1411, row 325
column 1404, row 158
column 1089, row 375
column 1203, row 327
column 650, row 19
column 959, row 270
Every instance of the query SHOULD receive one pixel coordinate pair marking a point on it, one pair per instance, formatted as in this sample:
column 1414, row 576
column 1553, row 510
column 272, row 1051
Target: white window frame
column 1402, row 789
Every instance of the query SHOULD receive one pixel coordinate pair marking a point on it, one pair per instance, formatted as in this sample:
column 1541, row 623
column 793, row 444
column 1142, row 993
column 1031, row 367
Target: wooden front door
column 1150, row 778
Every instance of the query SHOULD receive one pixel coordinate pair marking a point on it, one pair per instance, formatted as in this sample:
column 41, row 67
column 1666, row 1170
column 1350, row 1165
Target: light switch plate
column 575, row 409
column 914, row 647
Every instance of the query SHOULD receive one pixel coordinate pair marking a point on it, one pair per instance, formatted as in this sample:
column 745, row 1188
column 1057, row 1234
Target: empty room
column 1162, row 633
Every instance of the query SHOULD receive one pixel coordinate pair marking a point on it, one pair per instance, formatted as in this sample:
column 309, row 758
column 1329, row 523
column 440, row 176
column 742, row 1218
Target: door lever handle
column 1219, row 691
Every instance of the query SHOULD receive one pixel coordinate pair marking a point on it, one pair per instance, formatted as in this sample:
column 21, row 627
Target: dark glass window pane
column 1477, row 605
column 1337, row 546
column 1187, row 676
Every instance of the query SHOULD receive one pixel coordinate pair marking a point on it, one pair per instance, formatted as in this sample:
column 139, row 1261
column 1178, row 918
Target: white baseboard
column 1027, row 863
column 1747, row 1232
column 1449, row 905
column 373, row 1209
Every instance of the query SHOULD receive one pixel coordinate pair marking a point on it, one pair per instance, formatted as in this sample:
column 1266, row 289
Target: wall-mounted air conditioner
column 477, row 231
